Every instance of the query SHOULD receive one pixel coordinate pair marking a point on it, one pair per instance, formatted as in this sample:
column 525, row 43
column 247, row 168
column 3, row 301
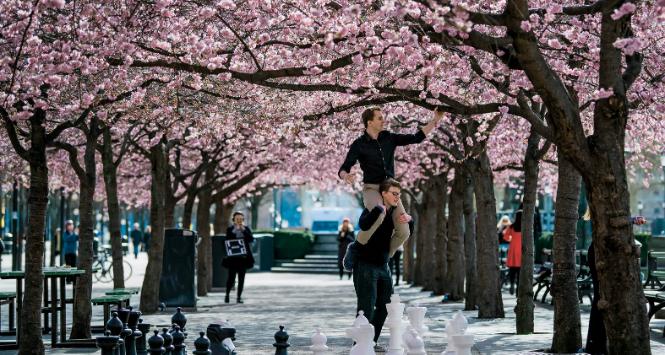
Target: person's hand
column 404, row 218
column 348, row 177
column 438, row 115
column 639, row 220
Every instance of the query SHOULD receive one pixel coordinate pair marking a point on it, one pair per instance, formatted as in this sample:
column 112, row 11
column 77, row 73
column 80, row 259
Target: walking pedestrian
column 137, row 238
column 239, row 256
column 396, row 263
column 513, row 235
column 147, row 235
column 70, row 246
column 344, row 237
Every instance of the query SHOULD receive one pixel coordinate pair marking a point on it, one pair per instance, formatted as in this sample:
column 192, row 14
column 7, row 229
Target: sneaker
column 379, row 349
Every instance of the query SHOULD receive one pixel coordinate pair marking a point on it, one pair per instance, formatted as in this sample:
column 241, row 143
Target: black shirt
column 377, row 249
column 377, row 156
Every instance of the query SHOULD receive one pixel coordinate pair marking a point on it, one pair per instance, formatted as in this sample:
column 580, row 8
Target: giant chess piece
column 179, row 318
column 202, row 345
column 416, row 317
column 179, row 348
column 141, row 343
column 108, row 343
column 130, row 346
column 455, row 331
column 396, row 324
column 221, row 338
column 319, row 340
column 155, row 343
column 413, row 342
column 362, row 334
column 281, row 341
column 115, row 326
column 168, row 341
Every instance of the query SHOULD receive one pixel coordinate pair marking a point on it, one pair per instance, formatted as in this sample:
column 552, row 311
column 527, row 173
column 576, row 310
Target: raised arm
column 349, row 162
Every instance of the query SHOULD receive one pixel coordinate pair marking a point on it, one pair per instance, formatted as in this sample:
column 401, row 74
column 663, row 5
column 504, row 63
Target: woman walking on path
column 239, row 256
column 513, row 235
column 344, row 238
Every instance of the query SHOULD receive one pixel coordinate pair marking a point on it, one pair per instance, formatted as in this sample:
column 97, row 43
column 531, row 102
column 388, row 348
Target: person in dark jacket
column 241, row 259
column 375, row 151
column 371, row 276
column 70, row 246
column 147, row 234
column 137, row 237
column 344, row 237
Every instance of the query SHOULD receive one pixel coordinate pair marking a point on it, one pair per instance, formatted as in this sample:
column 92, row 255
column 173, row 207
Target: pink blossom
column 525, row 26
column 628, row 45
column 603, row 93
column 503, row 109
column 55, row 4
column 626, row 9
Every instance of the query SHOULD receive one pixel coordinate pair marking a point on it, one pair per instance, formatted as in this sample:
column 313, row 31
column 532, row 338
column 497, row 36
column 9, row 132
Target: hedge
column 291, row 243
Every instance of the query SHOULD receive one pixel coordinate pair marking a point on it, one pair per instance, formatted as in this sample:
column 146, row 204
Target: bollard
column 202, row 345
column 155, row 342
column 141, row 343
column 281, row 341
column 108, row 343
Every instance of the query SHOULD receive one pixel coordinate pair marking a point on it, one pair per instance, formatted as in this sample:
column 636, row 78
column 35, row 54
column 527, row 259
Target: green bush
column 290, row 243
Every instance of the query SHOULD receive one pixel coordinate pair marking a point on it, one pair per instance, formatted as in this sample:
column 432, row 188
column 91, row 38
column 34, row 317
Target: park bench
column 654, row 276
column 543, row 278
column 656, row 300
column 121, row 300
column 10, row 299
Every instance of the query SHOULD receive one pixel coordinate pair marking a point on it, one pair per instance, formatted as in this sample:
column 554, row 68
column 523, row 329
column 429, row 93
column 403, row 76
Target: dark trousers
column 374, row 287
column 395, row 265
column 341, row 272
column 70, row 260
column 231, row 280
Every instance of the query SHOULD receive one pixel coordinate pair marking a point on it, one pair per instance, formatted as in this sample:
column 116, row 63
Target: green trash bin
column 263, row 249
column 219, row 272
column 177, row 285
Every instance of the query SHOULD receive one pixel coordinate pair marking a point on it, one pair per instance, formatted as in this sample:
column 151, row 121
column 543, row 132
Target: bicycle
column 104, row 266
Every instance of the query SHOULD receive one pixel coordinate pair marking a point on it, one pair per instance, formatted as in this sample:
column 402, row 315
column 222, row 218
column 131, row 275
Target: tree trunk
column 442, row 281
column 113, row 205
column 524, row 307
column 567, row 327
column 82, row 307
column 491, row 304
column 428, row 252
column 31, row 329
column 222, row 216
column 203, row 264
column 169, row 204
column 470, row 301
column 418, row 269
column 456, row 269
column 187, row 210
column 153, row 271
column 407, row 272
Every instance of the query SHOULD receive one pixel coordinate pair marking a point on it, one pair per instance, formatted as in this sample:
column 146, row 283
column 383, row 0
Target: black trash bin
column 177, row 287
column 219, row 272
column 263, row 250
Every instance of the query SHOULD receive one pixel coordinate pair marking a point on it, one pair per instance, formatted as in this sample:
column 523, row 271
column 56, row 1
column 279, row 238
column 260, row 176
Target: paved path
column 303, row 302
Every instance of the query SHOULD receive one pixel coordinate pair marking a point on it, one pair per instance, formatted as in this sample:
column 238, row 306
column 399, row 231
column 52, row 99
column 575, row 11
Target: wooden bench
column 121, row 300
column 10, row 299
column 543, row 278
column 654, row 276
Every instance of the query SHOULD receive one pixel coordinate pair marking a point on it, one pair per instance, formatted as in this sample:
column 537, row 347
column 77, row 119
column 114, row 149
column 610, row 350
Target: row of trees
column 172, row 102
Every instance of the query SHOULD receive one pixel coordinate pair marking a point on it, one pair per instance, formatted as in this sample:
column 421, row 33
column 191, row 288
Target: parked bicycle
column 104, row 264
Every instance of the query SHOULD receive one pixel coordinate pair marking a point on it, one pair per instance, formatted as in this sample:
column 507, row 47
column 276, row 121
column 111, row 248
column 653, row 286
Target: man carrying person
column 375, row 150
column 371, row 274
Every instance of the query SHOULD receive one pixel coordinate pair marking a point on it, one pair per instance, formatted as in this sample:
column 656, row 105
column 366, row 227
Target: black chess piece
column 141, row 343
column 179, row 318
column 168, row 341
column 155, row 342
column 281, row 341
column 202, row 345
column 108, row 343
column 217, row 333
column 179, row 348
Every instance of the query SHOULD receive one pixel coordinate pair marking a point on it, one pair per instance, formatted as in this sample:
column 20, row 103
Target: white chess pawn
column 395, row 324
column 319, row 340
column 414, row 343
column 416, row 317
column 460, row 323
column 463, row 343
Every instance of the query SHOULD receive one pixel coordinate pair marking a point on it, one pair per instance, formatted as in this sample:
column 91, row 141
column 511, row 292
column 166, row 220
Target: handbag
column 237, row 256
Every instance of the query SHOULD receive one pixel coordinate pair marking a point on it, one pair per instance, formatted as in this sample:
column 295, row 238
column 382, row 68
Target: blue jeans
column 374, row 287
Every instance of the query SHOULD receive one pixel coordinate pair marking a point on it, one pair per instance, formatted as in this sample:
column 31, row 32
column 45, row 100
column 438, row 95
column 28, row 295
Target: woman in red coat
column 513, row 235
